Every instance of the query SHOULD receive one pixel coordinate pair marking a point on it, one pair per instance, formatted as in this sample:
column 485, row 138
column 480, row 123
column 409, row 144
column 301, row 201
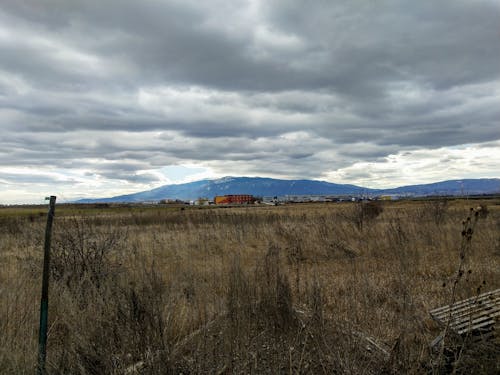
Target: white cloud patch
column 423, row 166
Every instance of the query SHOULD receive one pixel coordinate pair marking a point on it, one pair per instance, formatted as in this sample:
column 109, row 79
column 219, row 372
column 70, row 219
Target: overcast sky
column 101, row 98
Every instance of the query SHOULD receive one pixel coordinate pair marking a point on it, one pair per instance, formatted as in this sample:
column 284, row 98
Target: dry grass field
column 307, row 288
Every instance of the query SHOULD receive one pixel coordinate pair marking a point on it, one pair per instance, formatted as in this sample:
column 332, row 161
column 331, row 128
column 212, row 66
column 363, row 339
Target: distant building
column 305, row 198
column 389, row 197
column 202, row 201
column 234, row 199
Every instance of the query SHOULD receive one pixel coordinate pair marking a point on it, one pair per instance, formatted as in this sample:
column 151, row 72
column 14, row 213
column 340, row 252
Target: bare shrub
column 11, row 226
column 361, row 213
column 436, row 210
column 483, row 211
column 275, row 291
column 129, row 325
column 240, row 297
column 268, row 298
column 83, row 250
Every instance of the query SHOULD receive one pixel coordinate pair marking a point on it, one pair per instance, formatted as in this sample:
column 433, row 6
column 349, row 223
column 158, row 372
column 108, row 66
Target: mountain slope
column 256, row 186
column 259, row 186
column 450, row 187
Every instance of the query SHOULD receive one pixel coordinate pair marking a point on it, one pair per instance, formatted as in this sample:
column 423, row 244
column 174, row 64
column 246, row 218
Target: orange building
column 234, row 199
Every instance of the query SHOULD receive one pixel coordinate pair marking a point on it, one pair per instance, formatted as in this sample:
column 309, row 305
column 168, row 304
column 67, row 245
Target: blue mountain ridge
column 259, row 186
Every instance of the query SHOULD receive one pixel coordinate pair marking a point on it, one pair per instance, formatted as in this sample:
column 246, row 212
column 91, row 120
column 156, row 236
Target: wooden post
column 44, row 304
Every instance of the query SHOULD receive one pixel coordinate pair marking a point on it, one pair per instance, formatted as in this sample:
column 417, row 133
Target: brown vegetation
column 319, row 288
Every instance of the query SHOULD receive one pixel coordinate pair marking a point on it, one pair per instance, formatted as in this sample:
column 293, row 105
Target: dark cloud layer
column 120, row 88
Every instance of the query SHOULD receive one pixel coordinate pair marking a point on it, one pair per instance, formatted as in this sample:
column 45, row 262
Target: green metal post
column 44, row 304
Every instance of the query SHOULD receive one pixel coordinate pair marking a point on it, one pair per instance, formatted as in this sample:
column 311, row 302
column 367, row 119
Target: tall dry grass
column 320, row 288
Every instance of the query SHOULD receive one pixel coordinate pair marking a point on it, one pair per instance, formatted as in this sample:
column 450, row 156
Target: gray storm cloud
column 118, row 89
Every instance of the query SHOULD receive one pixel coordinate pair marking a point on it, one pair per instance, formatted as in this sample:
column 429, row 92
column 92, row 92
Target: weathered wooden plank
column 467, row 315
column 479, row 300
column 493, row 304
column 472, row 322
column 477, row 323
column 465, row 311
column 483, row 327
column 494, row 294
column 476, row 315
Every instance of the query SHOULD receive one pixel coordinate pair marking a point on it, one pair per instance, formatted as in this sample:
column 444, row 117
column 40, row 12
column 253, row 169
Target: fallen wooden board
column 473, row 315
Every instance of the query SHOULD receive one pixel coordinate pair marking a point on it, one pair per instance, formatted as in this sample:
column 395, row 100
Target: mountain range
column 259, row 186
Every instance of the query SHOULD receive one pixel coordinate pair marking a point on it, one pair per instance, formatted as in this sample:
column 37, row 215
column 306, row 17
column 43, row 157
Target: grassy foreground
column 313, row 288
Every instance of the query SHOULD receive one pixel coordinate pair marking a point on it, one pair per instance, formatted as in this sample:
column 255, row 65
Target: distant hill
column 451, row 187
column 259, row 186
column 256, row 186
